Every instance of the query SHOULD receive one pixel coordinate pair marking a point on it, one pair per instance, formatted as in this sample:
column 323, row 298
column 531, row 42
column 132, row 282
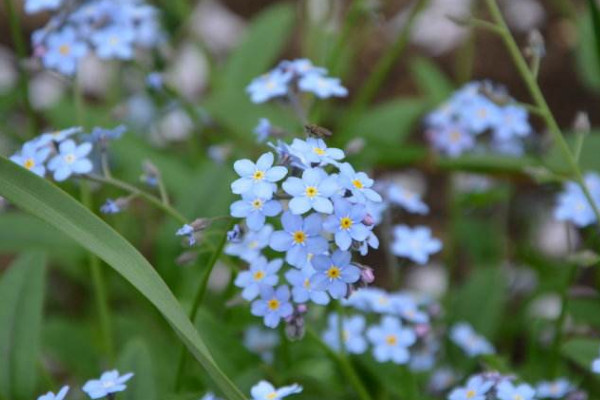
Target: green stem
column 540, row 101
column 345, row 366
column 560, row 321
column 164, row 195
column 138, row 192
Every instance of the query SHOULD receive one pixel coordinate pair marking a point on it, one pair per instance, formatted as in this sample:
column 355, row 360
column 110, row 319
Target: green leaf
column 587, row 55
column 21, row 303
column 595, row 17
column 581, row 351
column 41, row 198
column 136, row 358
column 432, row 82
column 588, row 159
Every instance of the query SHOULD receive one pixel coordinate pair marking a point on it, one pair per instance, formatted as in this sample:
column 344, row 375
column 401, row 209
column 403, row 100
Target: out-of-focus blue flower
column 64, row 50
column 36, row 6
column 104, row 135
column 556, row 389
column 260, row 273
column 71, row 159
column 353, row 330
column 210, row 396
column 473, row 344
column 302, row 290
column 441, row 380
column 109, row 382
column 250, row 247
column 311, row 192
column 322, row 86
column 596, row 365
column 262, row 130
column 407, row 308
column 476, row 389
column 347, row 223
column 261, row 341
column 273, row 305
column 58, row 396
column 56, row 136
column 416, row 244
column 112, row 207
column 32, row 157
column 479, row 115
column 507, row 391
column 424, row 358
column 255, row 210
column 334, row 273
column 452, row 140
column 300, row 238
column 358, row 183
column 391, row 341
column 408, row 200
column 235, row 234
column 574, row 206
column 512, row 123
column 155, row 80
column 315, row 151
column 273, row 84
column 301, row 67
column 187, row 230
column 257, row 178
column 265, row 391
column 114, row 43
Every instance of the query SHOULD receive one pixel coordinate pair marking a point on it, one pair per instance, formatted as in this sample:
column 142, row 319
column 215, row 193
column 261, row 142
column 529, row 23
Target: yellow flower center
column 70, row 158
column 455, row 136
column 299, row 237
column 333, row 272
column 518, row 397
column 29, row 163
column 311, row 191
column 257, row 204
column 307, row 283
column 345, row 223
column 391, row 340
column 318, row 151
column 258, row 275
column 357, row 184
column 345, row 335
column 114, row 40
column 272, row 395
column 253, row 244
column 65, row 49
column 273, row 304
column 258, row 175
column 470, row 394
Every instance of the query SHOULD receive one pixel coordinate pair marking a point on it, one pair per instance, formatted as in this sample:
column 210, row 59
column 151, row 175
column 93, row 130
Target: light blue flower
column 347, row 223
column 36, row 6
column 104, row 135
column 511, row 147
column 113, row 207
column 441, row 380
column 322, row 86
column 300, row 238
column 210, row 396
column 32, row 157
column 262, row 130
column 512, row 123
column 251, row 245
column 334, row 273
column 391, row 341
column 114, row 43
column 574, row 206
column 301, row 67
column 315, row 151
column 596, row 365
column 261, row 341
column 258, row 178
column 353, row 330
column 56, row 136
column 416, row 244
column 273, row 305
column 64, row 49
column 507, row 391
column 424, row 358
column 273, row 84
column 452, row 139
column 71, row 159
column 406, row 307
column 473, row 344
column 479, row 115
column 58, row 396
column 443, row 115
column 556, row 389
column 255, row 209
column 311, row 192
column 358, row 183
column 408, row 200
column 187, row 230
column 260, row 273
column 109, row 382
column 476, row 389
column 155, row 80
column 302, row 290
column 265, row 391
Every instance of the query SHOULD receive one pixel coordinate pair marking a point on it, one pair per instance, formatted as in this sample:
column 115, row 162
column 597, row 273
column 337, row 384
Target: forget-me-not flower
column 416, row 244
column 300, row 238
column 479, row 115
column 251, row 245
column 64, row 50
column 452, row 139
column 512, row 123
column 258, row 178
column 507, row 391
column 114, row 43
column 262, row 130
column 408, row 200
column 334, row 273
column 322, row 86
column 109, row 382
column 273, row 305
column 407, row 308
column 302, row 289
column 58, row 396
column 112, row 207
column 473, row 344
column 261, row 341
column 476, row 389
column 71, row 159
column 36, row 6
column 265, row 391
column 347, row 223
column 185, row 230
column 57, row 136
column 596, row 365
column 315, row 151
column 104, row 135
column 353, row 330
column 260, row 273
column 255, row 209
column 556, row 389
column 273, row 84
column 573, row 205
column 391, row 341
column 312, row 191
column 358, row 183
column 32, row 157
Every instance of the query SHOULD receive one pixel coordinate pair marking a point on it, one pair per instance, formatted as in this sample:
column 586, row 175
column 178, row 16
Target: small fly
column 317, row 131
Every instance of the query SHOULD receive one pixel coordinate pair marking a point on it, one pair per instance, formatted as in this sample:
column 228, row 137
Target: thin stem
column 164, row 195
column 297, row 107
column 540, row 101
column 138, row 192
column 104, row 161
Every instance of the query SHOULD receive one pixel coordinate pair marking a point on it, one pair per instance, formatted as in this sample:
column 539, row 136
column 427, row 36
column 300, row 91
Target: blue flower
column 36, row 6
column 479, row 115
column 273, row 305
column 210, row 396
column 407, row 308
column 249, row 248
column 391, row 341
column 574, row 206
column 255, row 210
column 258, row 178
column 114, row 43
column 155, row 80
column 302, row 290
column 596, row 365
column 301, row 67
column 71, row 159
column 265, row 391
column 556, row 389
column 358, row 183
column 261, row 341
column 113, row 207
column 507, row 391
column 32, row 157
column 334, row 273
column 187, row 230
column 312, row 191
column 416, row 244
column 463, row 335
column 58, row 396
column 408, row 200
column 104, row 135
column 235, row 234
column 64, row 50
column 322, row 86
column 263, row 130
column 346, row 223
column 109, row 382
column 261, row 273
column 56, row 136
column 273, row 84
column 353, row 330
column 476, row 389
column 512, row 123
column 300, row 238
column 315, row 151
column 451, row 139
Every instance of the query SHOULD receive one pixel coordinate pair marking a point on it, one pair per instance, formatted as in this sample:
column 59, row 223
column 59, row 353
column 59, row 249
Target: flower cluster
column 322, row 205
column 109, row 383
column 475, row 109
column 572, row 204
column 473, row 344
column 110, row 29
column 291, row 77
column 264, row 390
